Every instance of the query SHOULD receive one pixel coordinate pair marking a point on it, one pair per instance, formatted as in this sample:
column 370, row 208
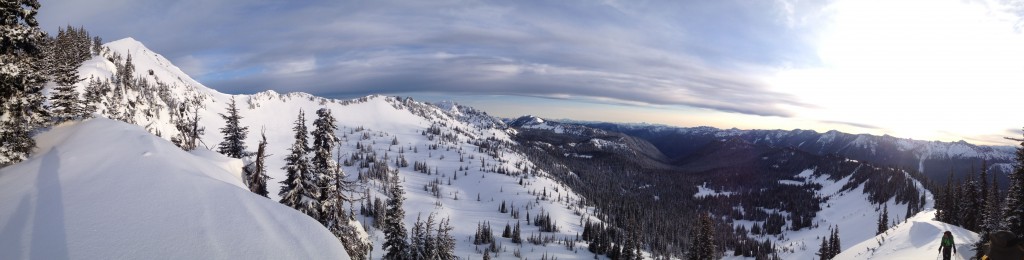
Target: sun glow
column 924, row 69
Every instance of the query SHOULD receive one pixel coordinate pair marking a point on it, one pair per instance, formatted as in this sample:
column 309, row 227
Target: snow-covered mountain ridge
column 916, row 238
column 934, row 158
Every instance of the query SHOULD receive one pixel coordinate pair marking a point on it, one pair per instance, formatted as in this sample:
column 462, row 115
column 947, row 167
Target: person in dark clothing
column 1003, row 245
column 947, row 245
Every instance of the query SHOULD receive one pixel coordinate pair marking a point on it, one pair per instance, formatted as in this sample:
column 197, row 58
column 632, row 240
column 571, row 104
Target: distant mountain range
column 933, row 158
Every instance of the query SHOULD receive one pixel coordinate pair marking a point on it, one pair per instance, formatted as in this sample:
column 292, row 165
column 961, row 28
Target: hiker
column 1003, row 245
column 947, row 245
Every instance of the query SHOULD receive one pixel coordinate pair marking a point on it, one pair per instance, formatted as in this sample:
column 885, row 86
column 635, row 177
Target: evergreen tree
column 994, row 207
column 445, row 242
column 22, row 74
column 951, row 202
column 417, row 240
column 430, row 242
column 835, row 246
column 992, row 217
column 883, row 220
column 823, row 251
column 703, row 240
column 969, row 203
column 326, row 170
column 300, row 191
column 394, row 231
column 257, row 177
column 234, row 134
column 983, row 191
column 1013, row 207
column 64, row 55
column 65, row 104
column 517, row 236
column 507, row 233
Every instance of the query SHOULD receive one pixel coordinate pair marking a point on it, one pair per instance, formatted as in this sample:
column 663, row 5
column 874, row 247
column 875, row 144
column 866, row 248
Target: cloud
column 854, row 124
column 701, row 54
column 293, row 66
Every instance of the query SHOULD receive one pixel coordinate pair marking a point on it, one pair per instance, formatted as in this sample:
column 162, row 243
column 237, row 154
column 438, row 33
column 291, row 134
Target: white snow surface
column 704, row 191
column 917, row 238
column 102, row 189
column 850, row 211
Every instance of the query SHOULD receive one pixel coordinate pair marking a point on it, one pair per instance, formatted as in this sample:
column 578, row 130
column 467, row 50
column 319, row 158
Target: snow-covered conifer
column 444, row 241
column 1013, row 207
column 299, row 190
column 417, row 240
column 21, row 79
column 234, row 134
column 322, row 166
column 394, row 231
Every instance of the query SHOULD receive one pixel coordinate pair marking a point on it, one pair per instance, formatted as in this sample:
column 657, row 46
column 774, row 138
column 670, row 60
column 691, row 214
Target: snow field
column 102, row 189
column 918, row 238
column 845, row 210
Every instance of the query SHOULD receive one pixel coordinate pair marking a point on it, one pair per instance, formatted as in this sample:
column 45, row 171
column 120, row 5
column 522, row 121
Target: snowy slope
column 917, row 238
column 102, row 189
column 374, row 122
column 848, row 210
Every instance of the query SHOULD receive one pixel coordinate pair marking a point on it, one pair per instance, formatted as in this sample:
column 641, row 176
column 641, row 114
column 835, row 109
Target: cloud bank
column 704, row 54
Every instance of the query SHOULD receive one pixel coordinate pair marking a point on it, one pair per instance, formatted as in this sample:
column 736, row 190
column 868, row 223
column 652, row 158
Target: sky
column 944, row 70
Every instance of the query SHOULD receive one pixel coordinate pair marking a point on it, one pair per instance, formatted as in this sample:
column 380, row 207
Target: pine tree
column 417, row 240
column 326, row 170
column 430, row 242
column 300, row 191
column 234, row 134
column 445, row 242
column 394, row 231
column 507, row 233
column 835, row 246
column 983, row 190
column 994, row 207
column 969, row 205
column 883, row 220
column 951, row 203
column 517, row 236
column 823, row 251
column 703, row 240
column 1013, row 207
column 22, row 74
column 992, row 217
column 257, row 177
column 63, row 58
